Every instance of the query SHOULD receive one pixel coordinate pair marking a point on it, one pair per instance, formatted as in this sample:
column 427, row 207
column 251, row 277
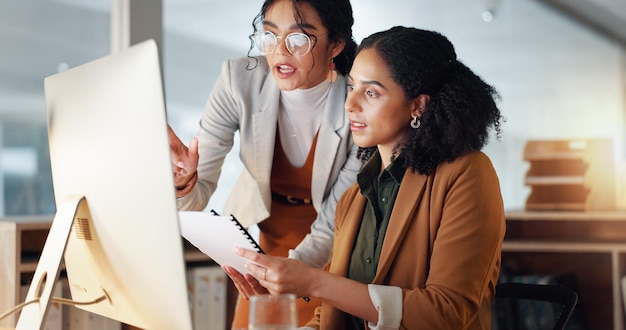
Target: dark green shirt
column 380, row 189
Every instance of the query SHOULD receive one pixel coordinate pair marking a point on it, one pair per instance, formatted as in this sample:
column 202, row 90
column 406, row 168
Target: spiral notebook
column 217, row 236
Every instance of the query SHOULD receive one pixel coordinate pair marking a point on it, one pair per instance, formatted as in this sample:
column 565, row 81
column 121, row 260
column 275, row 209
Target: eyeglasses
column 297, row 43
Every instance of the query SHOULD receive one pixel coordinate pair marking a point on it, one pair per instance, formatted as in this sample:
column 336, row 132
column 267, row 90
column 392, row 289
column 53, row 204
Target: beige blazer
column 442, row 246
column 246, row 101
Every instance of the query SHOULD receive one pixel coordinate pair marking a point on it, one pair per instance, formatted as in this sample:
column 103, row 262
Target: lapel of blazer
column 348, row 234
column 264, row 125
column 328, row 139
column 409, row 195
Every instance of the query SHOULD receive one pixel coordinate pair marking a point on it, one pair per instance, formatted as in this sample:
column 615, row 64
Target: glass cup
column 273, row 312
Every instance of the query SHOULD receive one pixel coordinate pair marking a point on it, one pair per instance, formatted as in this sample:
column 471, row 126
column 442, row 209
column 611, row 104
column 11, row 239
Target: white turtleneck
column 299, row 118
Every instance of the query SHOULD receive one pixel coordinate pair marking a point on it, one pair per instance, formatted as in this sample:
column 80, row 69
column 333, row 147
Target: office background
column 558, row 78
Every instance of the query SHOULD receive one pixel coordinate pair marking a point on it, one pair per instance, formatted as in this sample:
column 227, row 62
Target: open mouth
column 284, row 68
column 356, row 125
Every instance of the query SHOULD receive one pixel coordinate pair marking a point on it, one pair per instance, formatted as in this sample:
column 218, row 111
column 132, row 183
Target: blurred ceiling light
column 489, row 9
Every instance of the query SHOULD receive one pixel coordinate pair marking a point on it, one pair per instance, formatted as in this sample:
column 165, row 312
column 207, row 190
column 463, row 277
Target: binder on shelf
column 79, row 319
column 570, row 175
column 207, row 295
column 218, row 294
column 623, row 289
column 217, row 236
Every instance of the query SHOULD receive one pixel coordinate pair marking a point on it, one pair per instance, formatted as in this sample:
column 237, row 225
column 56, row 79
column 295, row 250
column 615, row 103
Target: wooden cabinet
column 570, row 175
column 21, row 241
column 590, row 245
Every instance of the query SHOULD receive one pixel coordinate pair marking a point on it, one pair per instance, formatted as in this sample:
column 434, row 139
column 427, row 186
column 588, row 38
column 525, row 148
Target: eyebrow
column 293, row 27
column 369, row 82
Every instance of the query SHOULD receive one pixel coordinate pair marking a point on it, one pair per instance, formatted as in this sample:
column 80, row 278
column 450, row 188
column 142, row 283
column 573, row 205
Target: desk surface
column 567, row 226
column 617, row 215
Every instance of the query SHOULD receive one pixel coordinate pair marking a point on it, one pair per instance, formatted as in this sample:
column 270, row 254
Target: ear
column 418, row 105
column 335, row 48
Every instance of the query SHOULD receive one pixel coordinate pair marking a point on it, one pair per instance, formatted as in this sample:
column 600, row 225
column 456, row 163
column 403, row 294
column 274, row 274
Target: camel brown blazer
column 442, row 246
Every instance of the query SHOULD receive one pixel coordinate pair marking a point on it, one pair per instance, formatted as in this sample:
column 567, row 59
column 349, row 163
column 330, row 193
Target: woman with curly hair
column 418, row 237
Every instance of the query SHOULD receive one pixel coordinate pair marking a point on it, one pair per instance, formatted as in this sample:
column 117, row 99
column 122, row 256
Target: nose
column 350, row 104
column 281, row 46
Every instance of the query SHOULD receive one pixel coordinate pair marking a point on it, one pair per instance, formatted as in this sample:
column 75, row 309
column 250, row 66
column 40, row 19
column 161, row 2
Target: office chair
column 518, row 306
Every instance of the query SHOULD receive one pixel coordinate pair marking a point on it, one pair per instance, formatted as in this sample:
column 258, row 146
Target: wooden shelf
column 618, row 215
column 570, row 175
column 591, row 246
column 555, row 180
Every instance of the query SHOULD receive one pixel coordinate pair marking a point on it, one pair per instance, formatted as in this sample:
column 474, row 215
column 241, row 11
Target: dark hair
column 336, row 15
column 462, row 107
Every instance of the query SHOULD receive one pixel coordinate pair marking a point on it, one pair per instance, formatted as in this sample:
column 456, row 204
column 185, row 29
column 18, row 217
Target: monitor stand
column 49, row 265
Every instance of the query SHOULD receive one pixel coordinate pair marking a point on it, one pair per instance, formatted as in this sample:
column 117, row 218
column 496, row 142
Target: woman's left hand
column 246, row 284
column 279, row 274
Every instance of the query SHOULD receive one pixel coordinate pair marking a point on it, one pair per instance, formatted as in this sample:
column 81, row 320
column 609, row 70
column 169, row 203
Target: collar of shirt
column 367, row 177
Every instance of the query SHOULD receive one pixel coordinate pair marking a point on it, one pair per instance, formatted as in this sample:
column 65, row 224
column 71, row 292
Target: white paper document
column 217, row 236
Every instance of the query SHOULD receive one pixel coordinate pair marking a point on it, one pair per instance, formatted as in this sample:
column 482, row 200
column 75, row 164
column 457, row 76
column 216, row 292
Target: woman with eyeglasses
column 295, row 143
column 419, row 236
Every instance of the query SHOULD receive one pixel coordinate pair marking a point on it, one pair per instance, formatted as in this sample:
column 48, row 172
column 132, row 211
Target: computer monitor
column 116, row 219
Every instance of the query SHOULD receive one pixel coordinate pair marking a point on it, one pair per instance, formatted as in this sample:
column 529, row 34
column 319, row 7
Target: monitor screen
column 108, row 142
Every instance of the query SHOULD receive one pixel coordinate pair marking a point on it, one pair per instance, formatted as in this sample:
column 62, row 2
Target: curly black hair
column 337, row 17
column 462, row 107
